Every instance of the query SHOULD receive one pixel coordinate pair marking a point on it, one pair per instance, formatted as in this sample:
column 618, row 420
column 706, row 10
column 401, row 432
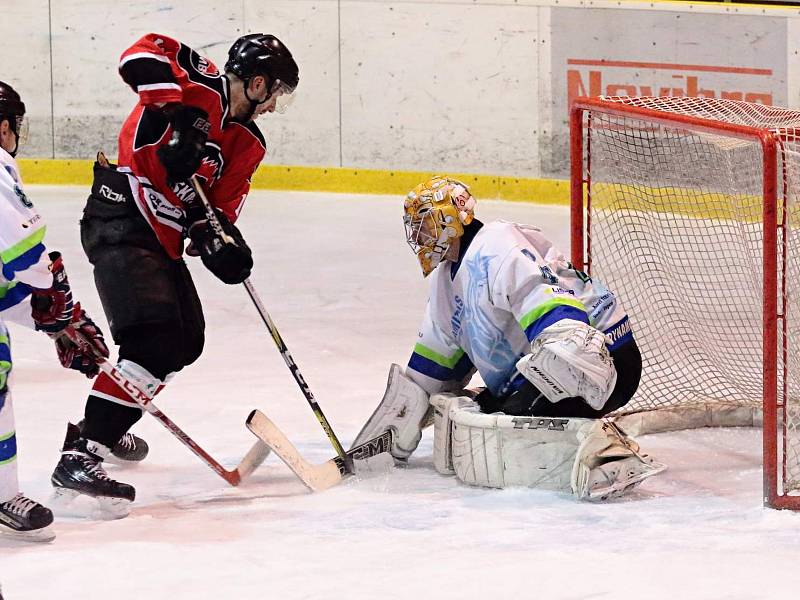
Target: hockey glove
column 182, row 155
column 82, row 358
column 230, row 260
column 52, row 308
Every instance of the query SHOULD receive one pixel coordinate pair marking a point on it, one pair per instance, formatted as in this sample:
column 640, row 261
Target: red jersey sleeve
column 148, row 67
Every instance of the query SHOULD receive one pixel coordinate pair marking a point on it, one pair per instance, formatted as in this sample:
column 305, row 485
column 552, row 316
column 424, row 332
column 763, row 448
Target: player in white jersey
column 548, row 341
column 34, row 291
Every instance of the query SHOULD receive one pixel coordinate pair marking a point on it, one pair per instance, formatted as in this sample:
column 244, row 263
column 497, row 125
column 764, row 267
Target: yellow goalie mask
column 435, row 214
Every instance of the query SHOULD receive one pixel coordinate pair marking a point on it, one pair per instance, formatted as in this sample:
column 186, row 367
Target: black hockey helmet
column 262, row 54
column 12, row 109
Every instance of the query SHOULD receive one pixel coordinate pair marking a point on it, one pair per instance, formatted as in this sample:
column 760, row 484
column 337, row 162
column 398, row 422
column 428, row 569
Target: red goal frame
column 771, row 144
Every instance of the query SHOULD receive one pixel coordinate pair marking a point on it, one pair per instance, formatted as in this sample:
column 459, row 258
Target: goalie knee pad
column 404, row 409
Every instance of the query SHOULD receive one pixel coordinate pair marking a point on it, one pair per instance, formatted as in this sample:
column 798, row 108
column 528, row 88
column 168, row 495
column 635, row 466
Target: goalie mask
column 435, row 214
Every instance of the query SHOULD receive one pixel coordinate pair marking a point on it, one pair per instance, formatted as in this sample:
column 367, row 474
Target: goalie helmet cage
column 688, row 209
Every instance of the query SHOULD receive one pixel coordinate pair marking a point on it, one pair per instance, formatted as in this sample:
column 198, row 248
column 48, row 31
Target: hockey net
column 687, row 209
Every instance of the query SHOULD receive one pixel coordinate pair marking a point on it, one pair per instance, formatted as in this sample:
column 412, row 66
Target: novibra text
column 592, row 84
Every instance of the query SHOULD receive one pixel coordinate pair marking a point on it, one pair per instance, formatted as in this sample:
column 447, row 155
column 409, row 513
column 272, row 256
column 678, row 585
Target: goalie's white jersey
column 23, row 260
column 483, row 312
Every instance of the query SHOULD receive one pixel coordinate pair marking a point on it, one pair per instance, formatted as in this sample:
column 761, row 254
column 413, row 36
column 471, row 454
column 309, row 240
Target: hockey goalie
column 554, row 348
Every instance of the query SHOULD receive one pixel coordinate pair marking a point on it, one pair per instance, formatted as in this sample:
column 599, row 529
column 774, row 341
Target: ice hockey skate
column 25, row 519
column 80, row 471
column 130, row 449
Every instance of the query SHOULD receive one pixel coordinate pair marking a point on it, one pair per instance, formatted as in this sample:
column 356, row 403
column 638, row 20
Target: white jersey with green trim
column 483, row 312
column 24, row 263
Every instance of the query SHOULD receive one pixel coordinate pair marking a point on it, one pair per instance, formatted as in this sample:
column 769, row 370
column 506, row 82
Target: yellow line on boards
column 335, row 180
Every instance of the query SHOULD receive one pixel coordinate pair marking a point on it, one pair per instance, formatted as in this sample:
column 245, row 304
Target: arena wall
column 392, row 89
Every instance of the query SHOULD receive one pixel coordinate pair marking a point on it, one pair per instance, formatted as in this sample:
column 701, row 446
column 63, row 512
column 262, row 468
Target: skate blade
column 105, row 508
column 62, row 497
column 43, row 535
column 113, row 508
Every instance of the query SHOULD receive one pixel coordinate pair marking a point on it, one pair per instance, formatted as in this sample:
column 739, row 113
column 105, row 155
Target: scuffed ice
column 347, row 296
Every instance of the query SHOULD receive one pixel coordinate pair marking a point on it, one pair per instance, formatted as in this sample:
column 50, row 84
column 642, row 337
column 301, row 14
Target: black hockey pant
column 149, row 299
column 528, row 401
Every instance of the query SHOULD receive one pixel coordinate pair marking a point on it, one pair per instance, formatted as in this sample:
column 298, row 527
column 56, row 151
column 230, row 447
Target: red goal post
column 688, row 209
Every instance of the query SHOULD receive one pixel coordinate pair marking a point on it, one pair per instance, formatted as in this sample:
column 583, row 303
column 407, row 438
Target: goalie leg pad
column 404, row 409
column 589, row 458
column 610, row 463
column 443, row 406
column 501, row 450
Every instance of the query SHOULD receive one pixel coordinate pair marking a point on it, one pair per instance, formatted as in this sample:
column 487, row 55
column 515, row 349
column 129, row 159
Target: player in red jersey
column 190, row 120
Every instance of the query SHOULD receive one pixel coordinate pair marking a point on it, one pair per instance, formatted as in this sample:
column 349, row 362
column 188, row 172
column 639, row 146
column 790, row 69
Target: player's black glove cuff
column 182, row 155
column 230, row 260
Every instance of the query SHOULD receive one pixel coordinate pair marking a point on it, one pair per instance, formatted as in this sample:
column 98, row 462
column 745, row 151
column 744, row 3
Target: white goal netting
column 675, row 227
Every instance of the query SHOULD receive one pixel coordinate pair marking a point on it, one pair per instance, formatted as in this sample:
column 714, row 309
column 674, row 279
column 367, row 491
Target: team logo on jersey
column 22, row 197
column 455, row 320
column 203, row 65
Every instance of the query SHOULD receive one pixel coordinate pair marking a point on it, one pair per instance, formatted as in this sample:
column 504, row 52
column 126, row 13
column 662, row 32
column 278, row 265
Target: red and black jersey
column 164, row 71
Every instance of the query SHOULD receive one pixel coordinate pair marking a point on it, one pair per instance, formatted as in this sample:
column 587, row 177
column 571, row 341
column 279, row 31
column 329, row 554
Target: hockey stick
column 254, row 457
column 315, row 477
column 273, row 331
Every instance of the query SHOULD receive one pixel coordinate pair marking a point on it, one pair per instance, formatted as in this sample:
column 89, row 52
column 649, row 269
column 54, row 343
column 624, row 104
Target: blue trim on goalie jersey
column 436, row 371
column 621, row 333
column 14, row 296
column 24, row 261
column 8, row 448
column 560, row 312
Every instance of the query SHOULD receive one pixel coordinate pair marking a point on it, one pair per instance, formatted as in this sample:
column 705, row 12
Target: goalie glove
column 570, row 359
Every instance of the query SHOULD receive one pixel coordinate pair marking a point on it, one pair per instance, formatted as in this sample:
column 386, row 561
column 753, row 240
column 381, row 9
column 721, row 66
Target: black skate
column 131, row 448
column 80, row 471
column 26, row 519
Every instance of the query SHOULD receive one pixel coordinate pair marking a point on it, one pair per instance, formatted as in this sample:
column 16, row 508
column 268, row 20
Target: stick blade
column 315, row 477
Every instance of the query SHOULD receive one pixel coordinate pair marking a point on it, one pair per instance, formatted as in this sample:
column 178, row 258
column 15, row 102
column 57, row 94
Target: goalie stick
column 254, row 457
column 273, row 331
column 315, row 477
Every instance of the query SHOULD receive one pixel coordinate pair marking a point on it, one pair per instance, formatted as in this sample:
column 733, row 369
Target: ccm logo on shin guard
column 533, row 423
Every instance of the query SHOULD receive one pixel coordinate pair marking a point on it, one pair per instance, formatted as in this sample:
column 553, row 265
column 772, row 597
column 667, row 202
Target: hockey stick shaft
column 273, row 331
column 252, row 459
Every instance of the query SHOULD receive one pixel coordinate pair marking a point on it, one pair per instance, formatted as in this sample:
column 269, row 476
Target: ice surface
column 346, row 294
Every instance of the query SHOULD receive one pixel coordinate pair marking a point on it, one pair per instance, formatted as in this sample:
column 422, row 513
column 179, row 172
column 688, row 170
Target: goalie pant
column 24, row 266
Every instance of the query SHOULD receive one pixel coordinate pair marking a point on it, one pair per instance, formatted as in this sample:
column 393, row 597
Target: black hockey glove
column 182, row 155
column 229, row 261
